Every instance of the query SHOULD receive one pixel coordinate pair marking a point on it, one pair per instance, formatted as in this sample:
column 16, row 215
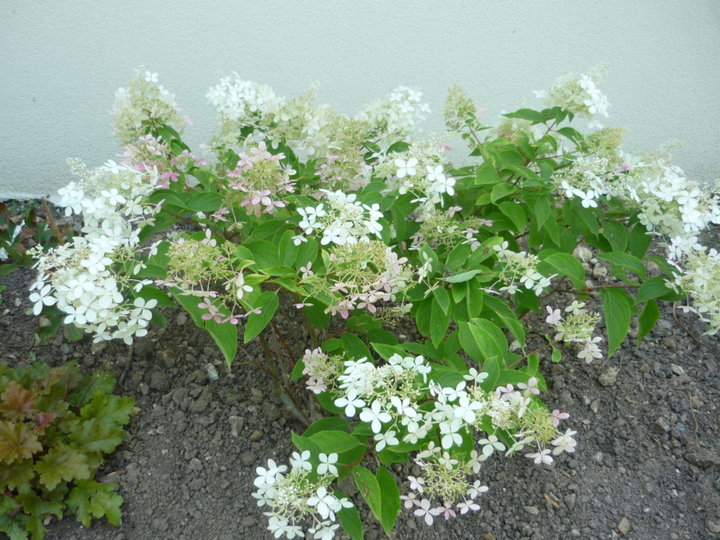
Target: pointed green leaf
column 563, row 264
column 268, row 303
column 369, row 488
column 624, row 260
column 350, row 519
column 390, row 497
column 225, row 335
column 647, row 319
column 618, row 308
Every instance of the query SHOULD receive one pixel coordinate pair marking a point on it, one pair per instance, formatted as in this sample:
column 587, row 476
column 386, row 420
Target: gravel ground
column 647, row 464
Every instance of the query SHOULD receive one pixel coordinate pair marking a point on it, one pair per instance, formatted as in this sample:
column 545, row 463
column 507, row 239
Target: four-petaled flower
column 327, row 463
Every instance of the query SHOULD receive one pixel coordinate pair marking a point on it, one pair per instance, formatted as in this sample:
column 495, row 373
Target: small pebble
column 609, row 377
column 236, row 425
column 677, row 370
column 624, row 526
column 256, row 435
column 212, row 372
column 534, row 510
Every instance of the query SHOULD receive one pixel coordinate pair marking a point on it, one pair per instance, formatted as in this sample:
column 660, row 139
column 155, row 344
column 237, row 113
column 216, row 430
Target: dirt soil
column 647, row 464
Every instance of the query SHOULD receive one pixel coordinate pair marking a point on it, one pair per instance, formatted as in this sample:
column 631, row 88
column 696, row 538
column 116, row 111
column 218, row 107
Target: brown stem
column 279, row 383
column 52, row 222
column 283, row 342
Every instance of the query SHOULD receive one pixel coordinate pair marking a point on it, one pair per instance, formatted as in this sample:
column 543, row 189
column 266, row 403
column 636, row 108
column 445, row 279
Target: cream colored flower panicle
column 142, row 105
column 578, row 94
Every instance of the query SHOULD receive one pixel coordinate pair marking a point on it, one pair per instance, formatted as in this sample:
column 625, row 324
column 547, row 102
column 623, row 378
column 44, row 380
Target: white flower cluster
column 80, row 277
column 578, row 94
column 342, row 219
column 700, row 279
column 576, row 326
column 320, row 371
column 396, row 117
column 112, row 200
column 420, row 171
column 300, row 495
column 244, row 101
column 587, row 178
column 520, row 268
column 142, row 105
column 669, row 203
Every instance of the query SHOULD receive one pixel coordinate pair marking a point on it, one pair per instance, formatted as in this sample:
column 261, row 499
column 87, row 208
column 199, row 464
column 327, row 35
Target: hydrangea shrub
column 363, row 227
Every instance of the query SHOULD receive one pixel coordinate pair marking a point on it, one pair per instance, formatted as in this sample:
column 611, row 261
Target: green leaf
column 616, row 235
column 564, row 264
column 439, row 322
column 95, row 436
column 264, row 253
column 268, row 303
column 464, row 276
column 618, row 308
column 443, row 299
column 500, row 191
column 527, row 114
column 62, row 463
column 390, row 497
column 334, row 441
column 647, row 319
column 204, row 202
column 225, row 335
column 516, row 213
column 497, row 309
column 115, row 411
column 16, row 474
column 556, row 355
column 316, row 314
column 486, row 174
column 350, row 519
column 639, row 240
column 328, row 423
column 541, row 210
column 17, row 441
column 38, row 511
column 369, row 488
column 90, row 499
column 355, row 347
column 653, row 288
column 624, row 260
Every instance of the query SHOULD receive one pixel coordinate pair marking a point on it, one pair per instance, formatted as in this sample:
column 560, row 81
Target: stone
column 661, row 426
column 256, row 435
column 159, row 382
column 609, row 377
column 677, row 370
column 624, row 526
column 236, row 425
column 702, row 457
column 600, row 271
column 533, row 510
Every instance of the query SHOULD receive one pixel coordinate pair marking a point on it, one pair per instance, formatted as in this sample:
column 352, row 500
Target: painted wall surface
column 61, row 61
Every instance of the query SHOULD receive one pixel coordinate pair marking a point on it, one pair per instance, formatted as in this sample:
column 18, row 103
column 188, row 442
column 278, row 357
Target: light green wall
column 61, row 61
